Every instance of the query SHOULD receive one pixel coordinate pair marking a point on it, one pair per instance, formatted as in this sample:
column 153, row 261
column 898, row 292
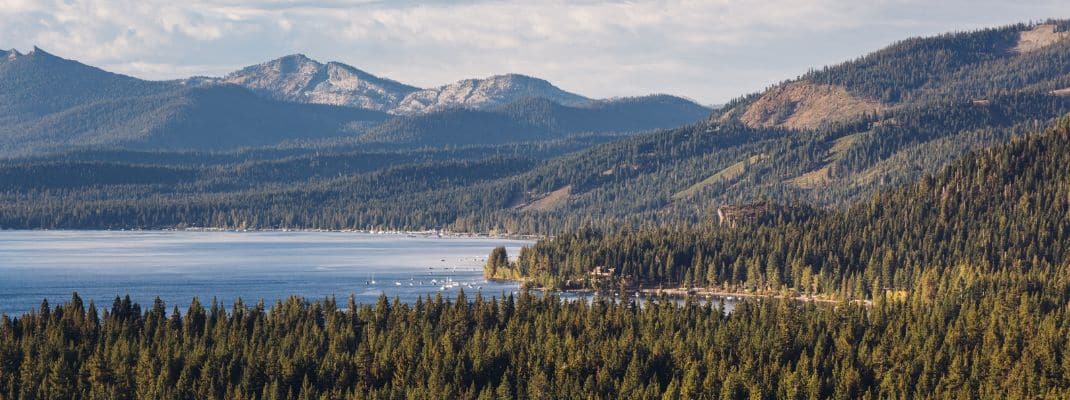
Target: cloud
column 709, row 50
column 166, row 70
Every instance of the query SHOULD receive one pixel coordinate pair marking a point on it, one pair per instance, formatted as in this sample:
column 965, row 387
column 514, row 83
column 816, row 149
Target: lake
column 179, row 265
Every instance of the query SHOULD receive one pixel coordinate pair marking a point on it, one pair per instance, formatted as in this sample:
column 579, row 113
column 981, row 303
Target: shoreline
column 684, row 292
column 424, row 233
column 730, row 294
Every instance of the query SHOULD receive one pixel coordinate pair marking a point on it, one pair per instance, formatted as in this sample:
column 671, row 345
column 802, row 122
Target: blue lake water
column 179, row 265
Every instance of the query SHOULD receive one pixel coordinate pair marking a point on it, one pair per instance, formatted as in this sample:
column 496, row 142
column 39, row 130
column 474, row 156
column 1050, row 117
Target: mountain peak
column 8, row 55
column 512, row 79
column 298, row 78
column 295, row 59
column 493, row 91
column 297, row 56
column 289, row 64
column 36, row 52
column 39, row 52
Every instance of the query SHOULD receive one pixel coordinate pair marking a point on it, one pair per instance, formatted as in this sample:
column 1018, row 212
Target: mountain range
column 52, row 104
column 827, row 138
column 297, row 78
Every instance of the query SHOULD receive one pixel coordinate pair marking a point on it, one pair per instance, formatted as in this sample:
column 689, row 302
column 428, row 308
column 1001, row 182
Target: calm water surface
column 177, row 265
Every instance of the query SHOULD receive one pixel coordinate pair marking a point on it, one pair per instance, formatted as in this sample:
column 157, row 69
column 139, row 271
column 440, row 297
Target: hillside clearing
column 1038, row 38
column 549, row 201
column 804, row 105
column 728, row 173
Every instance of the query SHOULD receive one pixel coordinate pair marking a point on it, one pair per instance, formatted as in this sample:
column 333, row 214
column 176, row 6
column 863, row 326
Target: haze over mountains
column 53, row 104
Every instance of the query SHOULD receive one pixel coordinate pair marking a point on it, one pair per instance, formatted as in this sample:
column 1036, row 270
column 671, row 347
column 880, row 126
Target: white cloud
column 165, row 70
column 709, row 50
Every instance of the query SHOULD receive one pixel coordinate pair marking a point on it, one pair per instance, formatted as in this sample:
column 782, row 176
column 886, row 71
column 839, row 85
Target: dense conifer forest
column 971, row 334
column 996, row 210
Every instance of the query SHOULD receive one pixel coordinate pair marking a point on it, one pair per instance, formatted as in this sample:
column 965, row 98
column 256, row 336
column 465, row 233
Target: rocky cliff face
column 300, row 79
column 485, row 93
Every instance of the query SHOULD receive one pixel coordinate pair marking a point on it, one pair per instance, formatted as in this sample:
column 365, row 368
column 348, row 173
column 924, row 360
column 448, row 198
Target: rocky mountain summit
column 297, row 78
column 486, row 93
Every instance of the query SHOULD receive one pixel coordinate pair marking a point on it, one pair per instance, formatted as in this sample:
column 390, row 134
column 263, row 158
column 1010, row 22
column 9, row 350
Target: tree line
column 973, row 334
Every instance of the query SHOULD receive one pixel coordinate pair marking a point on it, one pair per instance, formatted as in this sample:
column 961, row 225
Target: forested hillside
column 673, row 178
column 1001, row 211
column 38, row 83
column 959, row 66
column 534, row 119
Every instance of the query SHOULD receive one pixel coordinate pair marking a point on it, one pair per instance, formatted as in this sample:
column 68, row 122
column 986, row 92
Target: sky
column 710, row 51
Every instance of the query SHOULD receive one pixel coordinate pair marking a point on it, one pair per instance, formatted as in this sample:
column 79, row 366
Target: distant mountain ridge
column 52, row 104
column 48, row 103
column 297, row 78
